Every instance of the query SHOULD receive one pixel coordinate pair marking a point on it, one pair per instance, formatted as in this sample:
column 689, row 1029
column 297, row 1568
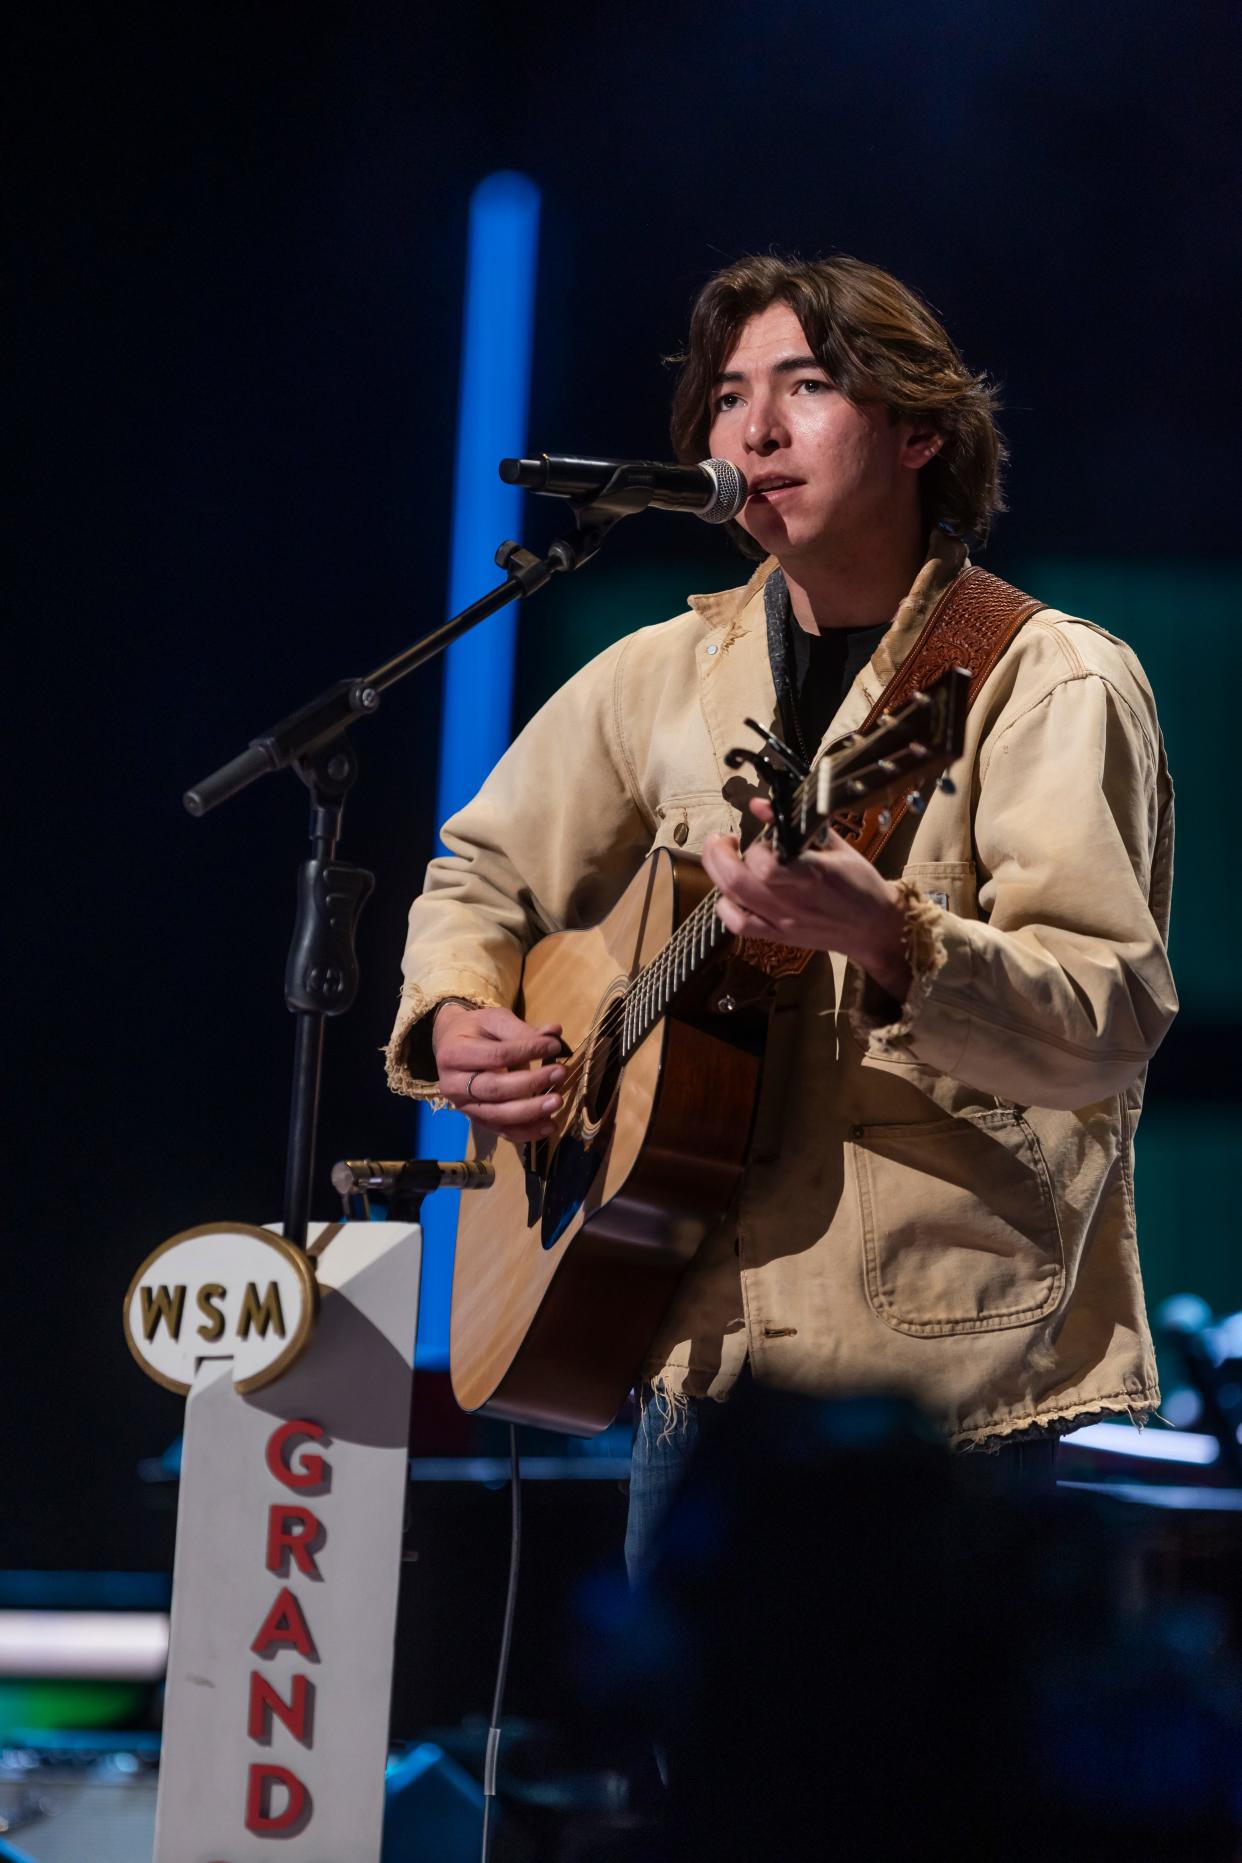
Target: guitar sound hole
column 603, row 1074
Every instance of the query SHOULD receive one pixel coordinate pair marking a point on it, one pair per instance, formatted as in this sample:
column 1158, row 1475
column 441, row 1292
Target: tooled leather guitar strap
column 971, row 625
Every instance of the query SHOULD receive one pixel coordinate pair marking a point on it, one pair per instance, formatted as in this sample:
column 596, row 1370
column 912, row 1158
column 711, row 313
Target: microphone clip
column 629, row 491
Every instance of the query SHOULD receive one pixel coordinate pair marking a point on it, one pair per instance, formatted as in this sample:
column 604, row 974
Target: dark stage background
column 240, row 252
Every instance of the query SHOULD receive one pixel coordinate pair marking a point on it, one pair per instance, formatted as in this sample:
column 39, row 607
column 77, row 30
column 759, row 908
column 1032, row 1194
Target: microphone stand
column 321, row 972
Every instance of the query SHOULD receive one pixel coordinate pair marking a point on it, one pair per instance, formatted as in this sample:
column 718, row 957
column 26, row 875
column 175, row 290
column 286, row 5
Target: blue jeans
column 666, row 1439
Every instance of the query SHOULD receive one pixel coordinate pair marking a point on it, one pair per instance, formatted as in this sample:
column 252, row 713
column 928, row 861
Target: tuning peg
column 884, row 818
column 946, row 785
column 915, row 802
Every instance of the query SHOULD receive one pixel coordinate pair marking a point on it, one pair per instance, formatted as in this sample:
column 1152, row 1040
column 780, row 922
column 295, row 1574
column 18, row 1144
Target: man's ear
column 922, row 443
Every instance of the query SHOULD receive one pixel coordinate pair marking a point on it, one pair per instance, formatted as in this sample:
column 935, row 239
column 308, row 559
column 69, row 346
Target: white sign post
column 293, row 1486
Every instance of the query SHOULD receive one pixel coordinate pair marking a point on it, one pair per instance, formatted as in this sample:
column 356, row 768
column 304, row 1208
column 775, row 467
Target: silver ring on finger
column 470, row 1084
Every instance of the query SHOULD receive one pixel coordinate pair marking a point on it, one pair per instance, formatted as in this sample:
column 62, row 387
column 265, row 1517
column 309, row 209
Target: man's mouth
column 771, row 487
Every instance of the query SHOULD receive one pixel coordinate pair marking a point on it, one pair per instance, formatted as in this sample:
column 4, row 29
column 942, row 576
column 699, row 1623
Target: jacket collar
column 735, row 610
column 737, row 621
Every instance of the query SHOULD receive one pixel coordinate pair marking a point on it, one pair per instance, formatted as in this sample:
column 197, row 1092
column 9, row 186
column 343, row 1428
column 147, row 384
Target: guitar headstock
column 902, row 753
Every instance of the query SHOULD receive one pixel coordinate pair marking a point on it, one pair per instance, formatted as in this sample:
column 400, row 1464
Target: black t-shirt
column 812, row 672
column 823, row 667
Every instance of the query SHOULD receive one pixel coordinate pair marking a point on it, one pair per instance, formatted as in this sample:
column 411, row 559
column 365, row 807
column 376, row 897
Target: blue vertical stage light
column 494, row 397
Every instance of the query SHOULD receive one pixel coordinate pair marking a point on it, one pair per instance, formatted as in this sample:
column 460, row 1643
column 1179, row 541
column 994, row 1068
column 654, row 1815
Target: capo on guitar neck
column 784, row 771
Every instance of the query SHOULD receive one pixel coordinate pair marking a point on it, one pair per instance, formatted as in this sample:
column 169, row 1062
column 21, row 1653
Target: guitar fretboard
column 656, row 984
column 694, row 941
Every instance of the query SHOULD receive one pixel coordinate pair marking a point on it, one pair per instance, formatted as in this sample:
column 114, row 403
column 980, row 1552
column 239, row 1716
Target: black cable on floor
column 506, row 1638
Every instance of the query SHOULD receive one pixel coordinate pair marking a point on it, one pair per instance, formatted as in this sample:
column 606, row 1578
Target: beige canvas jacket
column 941, row 1204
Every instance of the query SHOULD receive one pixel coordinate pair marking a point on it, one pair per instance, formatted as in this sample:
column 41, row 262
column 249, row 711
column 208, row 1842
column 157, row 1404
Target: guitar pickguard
column 557, row 1182
column 534, row 1170
column 574, row 1166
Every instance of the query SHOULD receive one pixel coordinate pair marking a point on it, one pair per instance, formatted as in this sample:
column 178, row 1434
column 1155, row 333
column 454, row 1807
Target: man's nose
column 764, row 431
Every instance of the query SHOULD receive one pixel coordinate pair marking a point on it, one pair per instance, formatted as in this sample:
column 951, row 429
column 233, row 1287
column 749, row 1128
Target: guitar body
column 566, row 1263
column 564, row 1267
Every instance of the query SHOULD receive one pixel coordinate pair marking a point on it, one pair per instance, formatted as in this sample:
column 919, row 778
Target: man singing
column 939, row 1194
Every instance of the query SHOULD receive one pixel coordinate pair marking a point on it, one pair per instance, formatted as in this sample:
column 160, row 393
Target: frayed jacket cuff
column 882, row 1024
column 409, row 1058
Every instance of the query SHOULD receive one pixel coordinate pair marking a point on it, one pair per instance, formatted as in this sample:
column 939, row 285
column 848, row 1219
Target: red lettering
column 285, row 1627
column 285, row 1539
column 297, row 1713
column 261, row 1819
column 313, row 1468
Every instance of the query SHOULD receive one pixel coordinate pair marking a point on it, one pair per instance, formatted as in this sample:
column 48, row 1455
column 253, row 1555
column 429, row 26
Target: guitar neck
column 698, row 938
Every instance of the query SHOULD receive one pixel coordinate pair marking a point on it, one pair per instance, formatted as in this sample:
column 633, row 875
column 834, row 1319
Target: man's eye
column 815, row 383
column 723, row 403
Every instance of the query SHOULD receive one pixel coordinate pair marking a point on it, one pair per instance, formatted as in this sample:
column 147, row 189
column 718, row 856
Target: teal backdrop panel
column 1183, row 621
column 577, row 617
column 1187, row 1214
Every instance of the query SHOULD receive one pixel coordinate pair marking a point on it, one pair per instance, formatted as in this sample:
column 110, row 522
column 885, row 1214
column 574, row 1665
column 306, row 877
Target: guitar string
column 701, row 927
column 660, row 979
column 699, row 924
column 699, row 931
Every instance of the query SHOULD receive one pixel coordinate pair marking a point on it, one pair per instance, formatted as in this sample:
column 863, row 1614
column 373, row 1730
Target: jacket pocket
column 950, row 883
column 683, row 822
column 959, row 1226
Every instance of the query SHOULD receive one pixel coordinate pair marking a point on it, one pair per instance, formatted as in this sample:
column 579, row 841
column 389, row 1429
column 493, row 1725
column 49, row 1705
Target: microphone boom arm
column 321, row 973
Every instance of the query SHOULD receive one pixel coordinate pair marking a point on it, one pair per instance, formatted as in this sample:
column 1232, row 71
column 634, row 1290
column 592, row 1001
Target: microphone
column 713, row 490
column 403, row 1183
column 384, row 1176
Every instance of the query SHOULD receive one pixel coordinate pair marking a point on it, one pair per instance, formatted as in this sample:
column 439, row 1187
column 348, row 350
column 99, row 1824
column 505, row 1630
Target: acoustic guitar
column 566, row 1264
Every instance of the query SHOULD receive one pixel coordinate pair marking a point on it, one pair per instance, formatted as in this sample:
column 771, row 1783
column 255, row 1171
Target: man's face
column 822, row 471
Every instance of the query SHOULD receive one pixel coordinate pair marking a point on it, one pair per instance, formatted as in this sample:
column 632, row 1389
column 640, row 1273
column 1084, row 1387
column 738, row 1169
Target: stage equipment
column 713, row 490
column 298, row 1365
column 289, row 1523
column 402, row 1183
column 345, row 1384
column 73, row 1797
column 432, row 1808
column 1210, row 1351
column 321, row 975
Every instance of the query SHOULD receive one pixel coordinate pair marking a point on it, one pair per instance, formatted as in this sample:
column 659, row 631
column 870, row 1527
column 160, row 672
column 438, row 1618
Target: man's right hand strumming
column 484, row 1062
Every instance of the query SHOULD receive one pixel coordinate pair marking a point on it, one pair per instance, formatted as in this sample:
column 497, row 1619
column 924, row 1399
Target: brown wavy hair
column 878, row 342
